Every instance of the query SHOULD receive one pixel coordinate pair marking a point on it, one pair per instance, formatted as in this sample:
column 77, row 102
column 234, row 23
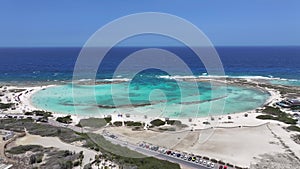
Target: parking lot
column 201, row 162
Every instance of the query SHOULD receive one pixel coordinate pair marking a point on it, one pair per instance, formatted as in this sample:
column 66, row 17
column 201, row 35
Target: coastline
column 26, row 104
column 223, row 128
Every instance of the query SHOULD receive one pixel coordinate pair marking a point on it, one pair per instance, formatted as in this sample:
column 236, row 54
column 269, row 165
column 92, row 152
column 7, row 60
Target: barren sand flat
column 237, row 146
column 277, row 161
column 286, row 138
column 165, row 139
column 57, row 143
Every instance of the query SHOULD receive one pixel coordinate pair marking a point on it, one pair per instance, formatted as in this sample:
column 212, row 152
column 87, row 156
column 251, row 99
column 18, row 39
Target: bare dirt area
column 239, row 146
column 277, row 161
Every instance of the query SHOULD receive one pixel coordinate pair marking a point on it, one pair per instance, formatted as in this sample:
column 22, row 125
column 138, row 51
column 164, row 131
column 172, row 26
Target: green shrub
column 272, row 110
column 265, row 117
column 76, row 163
column 118, row 123
column 132, row 123
column 29, row 113
column 24, row 148
column 293, row 128
column 6, row 105
column 171, row 122
column 92, row 122
column 157, row 122
column 42, row 113
column 67, row 119
column 107, row 119
column 16, row 90
column 42, row 129
column 283, row 119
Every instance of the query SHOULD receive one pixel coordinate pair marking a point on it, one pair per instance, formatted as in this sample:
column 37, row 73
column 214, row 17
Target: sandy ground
column 224, row 144
column 23, row 99
column 57, row 143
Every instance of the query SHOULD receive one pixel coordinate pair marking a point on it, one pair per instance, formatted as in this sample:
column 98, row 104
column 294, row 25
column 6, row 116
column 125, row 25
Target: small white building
column 6, row 135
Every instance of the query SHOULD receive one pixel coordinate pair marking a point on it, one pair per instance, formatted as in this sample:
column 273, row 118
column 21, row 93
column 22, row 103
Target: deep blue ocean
column 57, row 64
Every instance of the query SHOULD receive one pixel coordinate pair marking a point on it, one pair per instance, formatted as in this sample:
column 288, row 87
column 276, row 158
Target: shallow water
column 154, row 98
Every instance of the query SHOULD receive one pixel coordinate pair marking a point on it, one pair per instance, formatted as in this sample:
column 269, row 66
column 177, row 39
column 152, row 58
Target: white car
column 212, row 165
column 204, row 162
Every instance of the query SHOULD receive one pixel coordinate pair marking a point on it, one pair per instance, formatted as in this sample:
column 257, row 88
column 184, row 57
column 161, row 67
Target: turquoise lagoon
column 156, row 98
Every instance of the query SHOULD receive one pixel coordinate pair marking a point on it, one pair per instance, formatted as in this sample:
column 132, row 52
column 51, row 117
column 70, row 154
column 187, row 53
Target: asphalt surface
column 147, row 152
column 144, row 151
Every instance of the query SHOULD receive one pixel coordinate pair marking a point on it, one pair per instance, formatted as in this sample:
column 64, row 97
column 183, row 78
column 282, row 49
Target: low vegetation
column 293, row 128
column 39, row 113
column 66, row 119
column 176, row 123
column 24, row 148
column 42, row 129
column 6, row 105
column 36, row 158
column 296, row 138
column 92, row 122
column 125, row 157
column 157, row 122
column 283, row 119
column 107, row 119
column 62, row 159
column 94, row 141
column 276, row 114
column 133, row 123
column 16, row 90
column 118, row 123
column 273, row 111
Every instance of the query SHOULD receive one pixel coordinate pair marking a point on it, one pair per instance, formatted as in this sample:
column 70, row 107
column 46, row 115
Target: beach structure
column 289, row 103
column 6, row 134
column 5, row 166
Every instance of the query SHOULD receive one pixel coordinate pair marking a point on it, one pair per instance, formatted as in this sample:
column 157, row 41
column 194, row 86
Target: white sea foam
column 117, row 79
column 84, row 80
column 226, row 76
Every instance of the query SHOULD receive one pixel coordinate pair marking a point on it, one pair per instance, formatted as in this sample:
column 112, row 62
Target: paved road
column 155, row 154
column 135, row 147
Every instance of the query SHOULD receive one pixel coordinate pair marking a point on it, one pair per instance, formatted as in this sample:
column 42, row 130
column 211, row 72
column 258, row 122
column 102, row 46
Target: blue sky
column 226, row 23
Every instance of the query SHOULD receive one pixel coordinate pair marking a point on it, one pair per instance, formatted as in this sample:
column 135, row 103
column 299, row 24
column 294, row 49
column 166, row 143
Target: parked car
column 163, row 150
column 208, row 164
column 193, row 158
column 212, row 165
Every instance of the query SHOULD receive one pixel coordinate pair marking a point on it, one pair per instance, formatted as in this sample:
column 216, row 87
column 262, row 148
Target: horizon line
column 140, row 46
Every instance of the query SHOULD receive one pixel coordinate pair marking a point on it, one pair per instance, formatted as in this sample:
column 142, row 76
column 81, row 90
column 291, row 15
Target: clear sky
column 225, row 22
